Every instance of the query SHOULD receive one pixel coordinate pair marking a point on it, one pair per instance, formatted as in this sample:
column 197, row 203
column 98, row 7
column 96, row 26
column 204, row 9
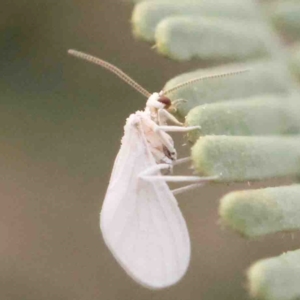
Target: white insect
column 140, row 220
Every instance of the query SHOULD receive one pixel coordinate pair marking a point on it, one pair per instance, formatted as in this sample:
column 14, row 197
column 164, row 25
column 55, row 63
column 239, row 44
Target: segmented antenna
column 191, row 81
column 112, row 69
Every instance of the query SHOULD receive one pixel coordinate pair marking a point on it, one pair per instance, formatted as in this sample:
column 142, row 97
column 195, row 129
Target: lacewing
column 140, row 220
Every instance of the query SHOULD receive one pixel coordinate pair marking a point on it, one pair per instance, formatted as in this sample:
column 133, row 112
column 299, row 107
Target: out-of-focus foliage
column 285, row 17
column 295, row 60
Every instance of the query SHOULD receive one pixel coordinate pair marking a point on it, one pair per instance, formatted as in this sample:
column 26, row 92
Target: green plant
column 250, row 124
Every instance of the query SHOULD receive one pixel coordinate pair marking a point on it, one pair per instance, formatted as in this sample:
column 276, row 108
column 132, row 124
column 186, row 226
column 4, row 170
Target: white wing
column 140, row 221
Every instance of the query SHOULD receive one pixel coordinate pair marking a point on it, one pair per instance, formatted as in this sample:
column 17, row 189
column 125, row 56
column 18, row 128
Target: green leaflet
column 214, row 39
column 148, row 14
column 246, row 158
column 255, row 213
column 276, row 278
column 264, row 77
column 259, row 115
column 248, row 108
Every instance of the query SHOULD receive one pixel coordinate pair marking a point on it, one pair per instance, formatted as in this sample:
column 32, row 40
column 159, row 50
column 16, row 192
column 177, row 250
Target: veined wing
column 140, row 221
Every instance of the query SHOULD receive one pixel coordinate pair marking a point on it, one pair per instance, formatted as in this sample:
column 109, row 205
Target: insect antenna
column 191, row 81
column 106, row 65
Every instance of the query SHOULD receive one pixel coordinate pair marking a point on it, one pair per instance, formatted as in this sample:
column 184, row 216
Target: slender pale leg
column 176, row 128
column 150, row 174
column 159, row 130
column 187, row 188
column 164, row 115
column 181, row 161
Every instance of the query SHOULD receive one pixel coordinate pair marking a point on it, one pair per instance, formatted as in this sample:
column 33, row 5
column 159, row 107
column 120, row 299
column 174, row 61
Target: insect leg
column 150, row 174
column 181, row 161
column 159, row 130
column 180, row 178
column 164, row 115
column 165, row 139
column 187, row 188
column 176, row 128
column 153, row 169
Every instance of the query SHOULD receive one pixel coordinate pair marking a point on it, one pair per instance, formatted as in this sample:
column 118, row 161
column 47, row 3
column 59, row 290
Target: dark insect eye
column 165, row 100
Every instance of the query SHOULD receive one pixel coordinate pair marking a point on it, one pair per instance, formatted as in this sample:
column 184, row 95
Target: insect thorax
column 154, row 141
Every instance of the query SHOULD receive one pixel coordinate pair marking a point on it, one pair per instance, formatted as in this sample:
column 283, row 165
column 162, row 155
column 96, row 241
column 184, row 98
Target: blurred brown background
column 61, row 121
